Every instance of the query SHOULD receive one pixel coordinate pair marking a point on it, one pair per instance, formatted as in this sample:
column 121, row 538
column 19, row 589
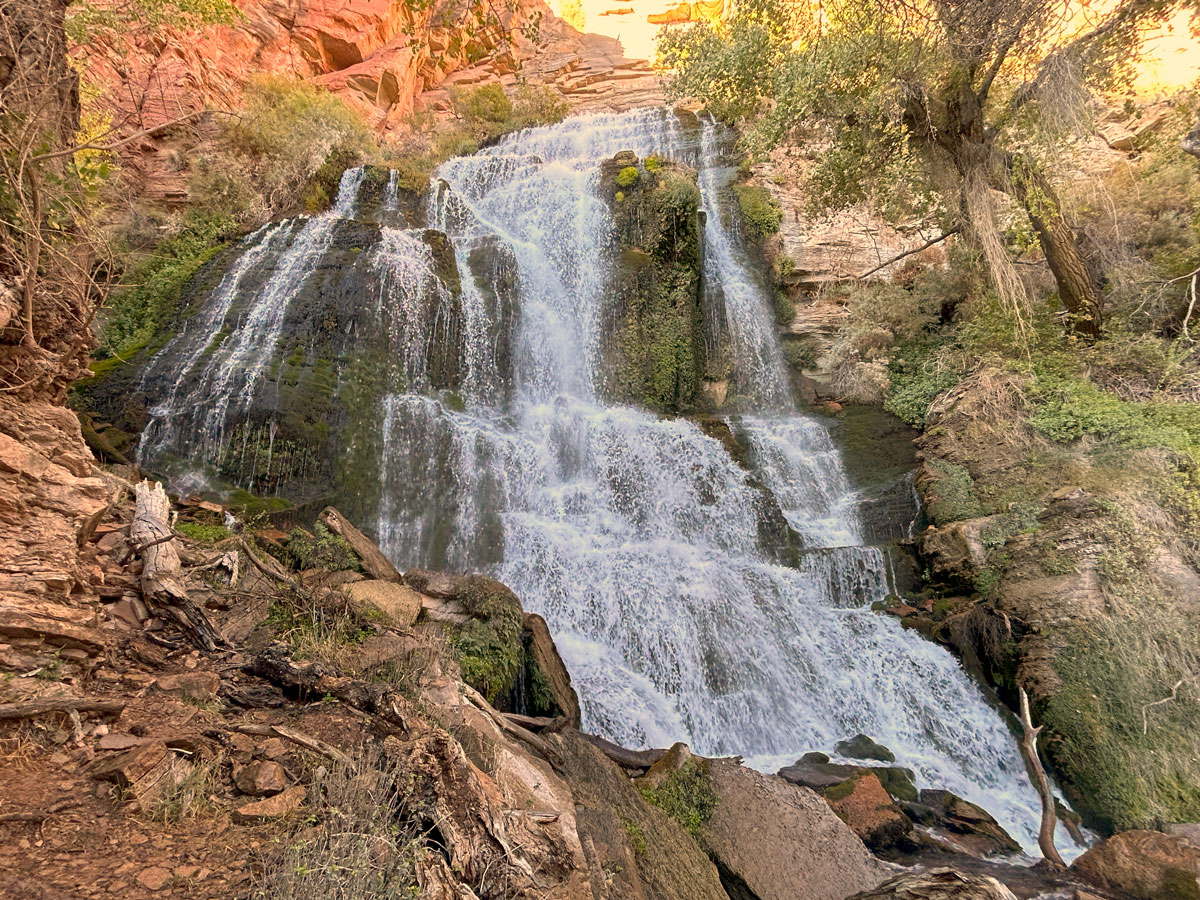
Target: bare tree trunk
column 1036, row 772
column 1076, row 287
column 162, row 572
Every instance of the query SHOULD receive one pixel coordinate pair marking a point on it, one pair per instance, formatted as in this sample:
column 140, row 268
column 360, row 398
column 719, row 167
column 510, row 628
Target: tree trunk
column 162, row 573
column 1076, row 287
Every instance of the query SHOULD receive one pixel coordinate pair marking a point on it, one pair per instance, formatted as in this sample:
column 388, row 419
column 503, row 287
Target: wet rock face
column 938, row 884
column 655, row 346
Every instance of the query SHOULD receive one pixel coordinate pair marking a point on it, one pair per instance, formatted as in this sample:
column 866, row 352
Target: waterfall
column 218, row 376
column 635, row 536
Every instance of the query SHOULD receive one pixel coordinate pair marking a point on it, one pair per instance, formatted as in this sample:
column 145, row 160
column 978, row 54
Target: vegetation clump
column 489, row 648
column 321, row 549
column 686, row 795
column 761, row 215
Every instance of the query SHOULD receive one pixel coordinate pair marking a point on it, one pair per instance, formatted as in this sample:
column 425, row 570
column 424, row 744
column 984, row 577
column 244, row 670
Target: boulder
column 898, row 782
column 863, row 804
column 938, row 884
column 956, row 551
column 777, row 841
column 666, row 765
column 398, row 605
column 261, row 778
column 1189, row 832
column 541, row 648
column 862, row 747
column 194, row 685
column 815, row 771
column 969, row 827
column 1146, row 865
column 271, row 808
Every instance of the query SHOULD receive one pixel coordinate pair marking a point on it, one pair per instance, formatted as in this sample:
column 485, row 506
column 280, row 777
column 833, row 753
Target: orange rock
column 864, row 805
column 271, row 808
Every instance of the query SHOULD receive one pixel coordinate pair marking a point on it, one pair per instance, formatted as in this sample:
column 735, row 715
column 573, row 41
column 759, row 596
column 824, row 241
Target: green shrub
column 289, row 133
column 799, row 354
column 785, row 309
column 917, row 375
column 761, row 215
column 150, row 290
column 627, row 177
column 686, row 795
column 322, row 549
column 487, row 112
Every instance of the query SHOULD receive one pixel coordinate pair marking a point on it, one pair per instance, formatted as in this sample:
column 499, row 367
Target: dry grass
column 362, row 844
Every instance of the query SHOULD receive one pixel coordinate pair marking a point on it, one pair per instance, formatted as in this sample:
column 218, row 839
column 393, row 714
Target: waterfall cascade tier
column 638, row 537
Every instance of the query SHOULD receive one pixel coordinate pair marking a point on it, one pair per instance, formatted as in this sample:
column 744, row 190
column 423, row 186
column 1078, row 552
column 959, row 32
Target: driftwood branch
column 268, row 566
column 373, row 560
column 297, row 737
column 924, row 246
column 1038, row 774
column 30, row 708
column 508, row 727
column 162, row 571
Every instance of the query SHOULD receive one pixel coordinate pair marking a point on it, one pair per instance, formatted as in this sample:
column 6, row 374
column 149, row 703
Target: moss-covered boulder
column 654, row 345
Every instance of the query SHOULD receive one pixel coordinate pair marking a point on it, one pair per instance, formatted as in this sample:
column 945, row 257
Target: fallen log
column 162, row 572
column 511, row 728
column 373, row 561
column 626, row 759
column 30, row 708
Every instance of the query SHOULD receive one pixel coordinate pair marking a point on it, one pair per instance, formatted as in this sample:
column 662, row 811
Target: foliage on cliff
column 656, row 347
column 928, row 109
column 1075, row 464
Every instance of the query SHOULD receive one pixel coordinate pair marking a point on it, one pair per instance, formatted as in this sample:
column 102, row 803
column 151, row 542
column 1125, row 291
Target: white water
column 217, row 376
column 637, row 537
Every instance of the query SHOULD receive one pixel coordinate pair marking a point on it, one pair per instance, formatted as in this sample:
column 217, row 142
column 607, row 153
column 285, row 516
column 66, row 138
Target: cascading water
column 637, row 537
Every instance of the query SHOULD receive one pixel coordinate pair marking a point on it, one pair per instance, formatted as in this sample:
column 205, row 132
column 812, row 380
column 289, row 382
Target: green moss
column 252, row 506
column 1127, row 764
column 489, row 649
column 686, row 795
column 208, row 534
column 761, row 215
column 627, row 177
column 950, row 496
column 322, row 549
column 637, row 837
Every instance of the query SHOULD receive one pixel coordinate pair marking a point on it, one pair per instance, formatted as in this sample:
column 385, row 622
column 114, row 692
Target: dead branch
column 117, row 145
column 28, row 709
column 1174, row 696
column 1038, row 774
column 626, row 759
column 925, row 246
column 271, row 569
column 297, row 737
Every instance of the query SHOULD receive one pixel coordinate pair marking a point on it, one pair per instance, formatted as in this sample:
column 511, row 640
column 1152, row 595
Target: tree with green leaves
column 937, row 104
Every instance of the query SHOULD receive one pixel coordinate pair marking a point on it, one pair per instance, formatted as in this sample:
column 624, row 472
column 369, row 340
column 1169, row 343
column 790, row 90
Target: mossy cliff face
column 310, row 434
column 654, row 345
column 1069, row 569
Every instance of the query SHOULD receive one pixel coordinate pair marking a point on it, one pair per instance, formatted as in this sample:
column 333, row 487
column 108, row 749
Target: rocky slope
column 387, row 59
